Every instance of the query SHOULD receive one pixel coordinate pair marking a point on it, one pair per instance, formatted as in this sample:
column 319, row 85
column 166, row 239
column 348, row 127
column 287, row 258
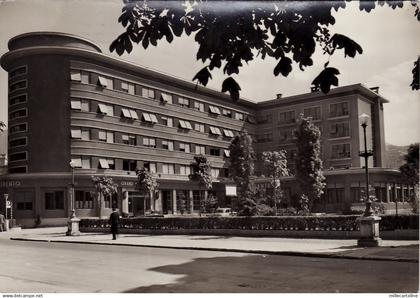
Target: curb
column 264, row 252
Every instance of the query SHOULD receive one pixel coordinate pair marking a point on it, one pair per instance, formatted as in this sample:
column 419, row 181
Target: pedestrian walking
column 2, row 222
column 114, row 220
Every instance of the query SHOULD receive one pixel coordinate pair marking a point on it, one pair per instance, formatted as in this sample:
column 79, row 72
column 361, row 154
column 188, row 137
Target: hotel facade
column 70, row 102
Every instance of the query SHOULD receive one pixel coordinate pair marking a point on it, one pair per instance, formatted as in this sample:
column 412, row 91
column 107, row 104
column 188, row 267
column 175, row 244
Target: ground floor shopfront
column 46, row 198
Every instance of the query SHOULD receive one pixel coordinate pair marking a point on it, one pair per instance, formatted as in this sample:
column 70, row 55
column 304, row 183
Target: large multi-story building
column 70, row 102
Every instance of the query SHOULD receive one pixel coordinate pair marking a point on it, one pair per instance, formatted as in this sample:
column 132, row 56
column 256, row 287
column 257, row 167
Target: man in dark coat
column 114, row 220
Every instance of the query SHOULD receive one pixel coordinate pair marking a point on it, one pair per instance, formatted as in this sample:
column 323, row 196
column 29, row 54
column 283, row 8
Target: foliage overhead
column 228, row 39
column 2, row 126
column 308, row 162
column 104, row 185
column 201, row 171
column 410, row 170
column 146, row 181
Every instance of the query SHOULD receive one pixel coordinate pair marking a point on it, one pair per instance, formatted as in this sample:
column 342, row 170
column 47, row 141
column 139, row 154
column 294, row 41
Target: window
column 17, row 170
column 313, row 112
column 105, row 109
column 199, row 127
column 83, row 199
column 75, row 75
column 287, row 117
column 183, row 102
column 199, row 149
column 129, row 165
column 215, row 151
column 268, row 118
column 340, row 151
column 18, row 71
column 129, row 114
column 215, row 131
column 151, row 118
column 168, row 145
column 18, row 142
column 199, row 106
column 338, row 130
column 102, row 135
column 127, row 87
column 24, row 200
column 228, row 133
column 149, row 142
column 18, row 99
column 109, row 137
column 103, row 163
column 77, row 162
column 18, row 156
column 239, row 116
column 129, row 140
column 167, row 121
column 265, row 138
column 22, row 127
column 339, row 109
column 54, row 200
column 105, row 82
column 185, row 124
column 165, row 97
column 214, row 110
column 76, row 133
column 18, row 114
column 185, row 170
column 168, row 168
column 151, row 166
column 286, row 135
column 76, row 104
column 85, row 77
column 18, row 85
column 227, row 153
column 184, row 147
column 148, row 92
column 86, row 162
column 215, row 173
column 251, row 119
column 227, row 113
column 85, row 134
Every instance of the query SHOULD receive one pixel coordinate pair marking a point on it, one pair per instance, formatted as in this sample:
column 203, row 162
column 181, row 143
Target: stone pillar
column 387, row 186
column 174, row 207
column 369, row 231
column 158, row 203
column 152, row 201
column 124, row 201
column 395, row 192
column 402, row 193
column 191, row 201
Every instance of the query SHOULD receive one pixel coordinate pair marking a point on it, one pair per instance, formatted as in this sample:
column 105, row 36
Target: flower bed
column 279, row 223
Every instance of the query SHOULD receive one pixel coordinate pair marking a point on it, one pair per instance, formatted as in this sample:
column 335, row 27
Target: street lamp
column 73, row 222
column 364, row 118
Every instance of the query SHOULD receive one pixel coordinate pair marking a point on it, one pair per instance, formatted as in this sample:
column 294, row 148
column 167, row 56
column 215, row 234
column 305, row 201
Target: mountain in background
column 394, row 155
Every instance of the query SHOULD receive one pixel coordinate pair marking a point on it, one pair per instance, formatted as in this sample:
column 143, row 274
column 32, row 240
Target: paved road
column 61, row 267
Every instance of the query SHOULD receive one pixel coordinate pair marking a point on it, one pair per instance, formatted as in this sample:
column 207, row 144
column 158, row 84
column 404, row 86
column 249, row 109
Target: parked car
column 224, row 212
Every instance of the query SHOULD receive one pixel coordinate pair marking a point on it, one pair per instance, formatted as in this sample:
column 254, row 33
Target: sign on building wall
column 231, row 191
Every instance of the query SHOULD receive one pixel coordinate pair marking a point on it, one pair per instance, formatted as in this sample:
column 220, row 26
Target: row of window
column 134, row 140
column 134, row 89
column 84, row 162
column 150, row 118
column 288, row 117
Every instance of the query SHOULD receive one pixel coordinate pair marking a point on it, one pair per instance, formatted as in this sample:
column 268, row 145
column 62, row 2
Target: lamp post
column 364, row 118
column 369, row 224
column 73, row 221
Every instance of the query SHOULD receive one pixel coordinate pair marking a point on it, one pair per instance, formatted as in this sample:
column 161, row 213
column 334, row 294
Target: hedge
column 297, row 223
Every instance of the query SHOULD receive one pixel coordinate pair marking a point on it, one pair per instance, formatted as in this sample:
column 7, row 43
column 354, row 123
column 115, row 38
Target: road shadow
column 286, row 274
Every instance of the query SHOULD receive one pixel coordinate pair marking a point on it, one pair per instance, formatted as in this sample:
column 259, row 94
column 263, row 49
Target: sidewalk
column 404, row 250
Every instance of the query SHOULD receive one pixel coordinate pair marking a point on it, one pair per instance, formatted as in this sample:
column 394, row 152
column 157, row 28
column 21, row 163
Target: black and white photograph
column 209, row 147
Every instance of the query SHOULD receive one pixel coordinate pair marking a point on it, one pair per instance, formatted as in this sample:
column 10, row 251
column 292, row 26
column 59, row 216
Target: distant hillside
column 394, row 155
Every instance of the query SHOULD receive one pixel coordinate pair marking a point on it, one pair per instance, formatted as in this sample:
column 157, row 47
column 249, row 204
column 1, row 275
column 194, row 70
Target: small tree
column 241, row 170
column 210, row 203
column 275, row 166
column 414, row 199
column 146, row 182
column 308, row 162
column 105, row 188
column 201, row 173
column 410, row 170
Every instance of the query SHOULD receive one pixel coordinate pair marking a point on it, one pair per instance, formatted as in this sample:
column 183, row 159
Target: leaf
column 326, row 78
column 203, row 76
column 284, row 67
column 366, row 5
column 122, row 43
column 231, row 86
column 350, row 46
column 279, row 39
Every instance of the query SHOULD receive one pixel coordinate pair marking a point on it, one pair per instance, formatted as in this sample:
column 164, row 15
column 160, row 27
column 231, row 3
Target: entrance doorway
column 166, row 201
column 136, row 203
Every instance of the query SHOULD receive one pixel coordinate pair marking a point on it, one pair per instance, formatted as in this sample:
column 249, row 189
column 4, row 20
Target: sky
column 390, row 41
